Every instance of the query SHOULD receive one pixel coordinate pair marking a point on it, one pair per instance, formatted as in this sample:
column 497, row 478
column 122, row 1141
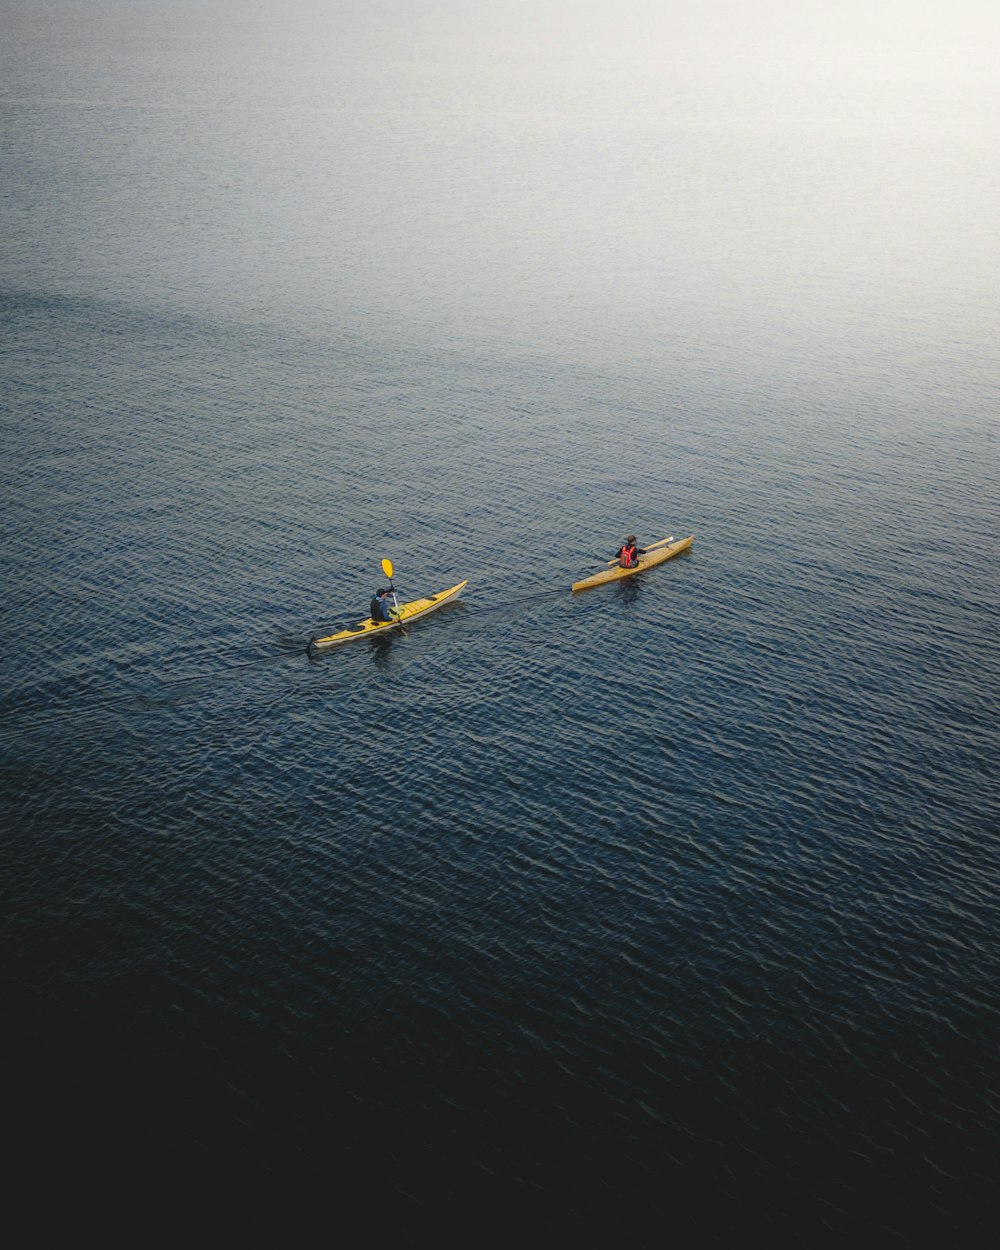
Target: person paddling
column 381, row 607
column 628, row 553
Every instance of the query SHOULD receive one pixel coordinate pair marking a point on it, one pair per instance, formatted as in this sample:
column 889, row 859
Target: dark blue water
column 665, row 909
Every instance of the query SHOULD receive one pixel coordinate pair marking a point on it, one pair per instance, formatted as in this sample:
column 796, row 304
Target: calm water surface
column 669, row 908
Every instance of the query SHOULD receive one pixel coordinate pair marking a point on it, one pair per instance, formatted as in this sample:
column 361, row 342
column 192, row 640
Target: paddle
column 663, row 542
column 387, row 570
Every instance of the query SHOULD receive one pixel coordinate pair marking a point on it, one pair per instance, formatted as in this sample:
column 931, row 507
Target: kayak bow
column 407, row 612
column 656, row 553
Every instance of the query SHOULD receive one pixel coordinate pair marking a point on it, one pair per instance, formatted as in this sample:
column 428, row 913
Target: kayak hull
column 408, row 612
column 656, row 554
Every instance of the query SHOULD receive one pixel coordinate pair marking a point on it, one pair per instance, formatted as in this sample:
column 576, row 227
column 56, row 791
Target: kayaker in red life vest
column 628, row 553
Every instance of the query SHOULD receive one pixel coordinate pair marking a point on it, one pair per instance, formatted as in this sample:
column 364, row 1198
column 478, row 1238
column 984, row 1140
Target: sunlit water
column 669, row 907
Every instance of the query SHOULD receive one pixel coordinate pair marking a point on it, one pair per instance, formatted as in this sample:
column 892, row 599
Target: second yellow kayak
column 656, row 553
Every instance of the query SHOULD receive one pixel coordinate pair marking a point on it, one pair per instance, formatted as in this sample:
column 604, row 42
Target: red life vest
column 628, row 558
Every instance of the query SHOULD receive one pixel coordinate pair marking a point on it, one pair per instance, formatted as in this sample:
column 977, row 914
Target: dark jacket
column 381, row 608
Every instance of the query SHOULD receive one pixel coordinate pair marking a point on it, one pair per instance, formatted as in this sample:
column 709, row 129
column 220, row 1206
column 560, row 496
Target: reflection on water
column 628, row 591
column 381, row 645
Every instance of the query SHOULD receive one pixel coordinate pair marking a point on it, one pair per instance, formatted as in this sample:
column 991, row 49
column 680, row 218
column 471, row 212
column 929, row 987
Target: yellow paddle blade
column 387, row 568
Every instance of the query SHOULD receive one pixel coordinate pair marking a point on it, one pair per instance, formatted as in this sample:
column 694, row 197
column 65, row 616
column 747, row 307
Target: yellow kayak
column 408, row 612
column 656, row 553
